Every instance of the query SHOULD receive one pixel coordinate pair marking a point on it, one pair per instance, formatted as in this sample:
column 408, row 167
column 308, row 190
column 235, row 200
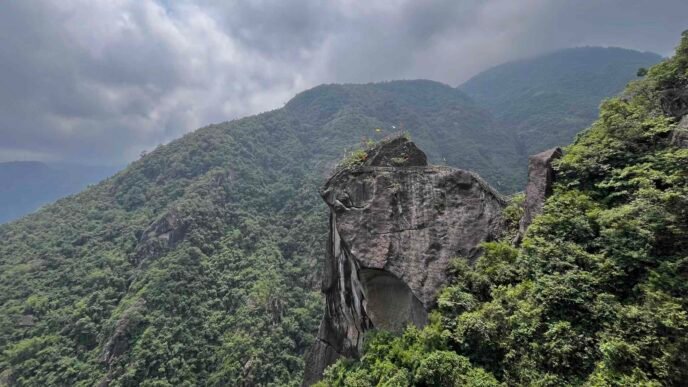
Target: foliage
column 596, row 293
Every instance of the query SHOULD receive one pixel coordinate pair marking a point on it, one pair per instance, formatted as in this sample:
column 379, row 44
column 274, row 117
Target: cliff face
column 539, row 187
column 395, row 224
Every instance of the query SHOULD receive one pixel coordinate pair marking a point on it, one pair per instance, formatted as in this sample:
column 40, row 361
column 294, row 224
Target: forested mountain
column 27, row 185
column 198, row 264
column 546, row 100
column 596, row 294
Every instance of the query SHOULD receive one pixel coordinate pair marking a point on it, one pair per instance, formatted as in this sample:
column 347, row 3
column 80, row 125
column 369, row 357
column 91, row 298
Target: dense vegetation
column 596, row 294
column 546, row 100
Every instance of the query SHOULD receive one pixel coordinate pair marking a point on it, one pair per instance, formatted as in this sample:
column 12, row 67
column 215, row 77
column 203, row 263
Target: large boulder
column 393, row 233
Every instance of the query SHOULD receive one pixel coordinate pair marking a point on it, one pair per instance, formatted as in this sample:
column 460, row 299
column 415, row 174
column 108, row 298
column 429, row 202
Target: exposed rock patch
column 161, row 236
column 118, row 343
column 26, row 321
column 393, row 233
column 398, row 152
column 680, row 136
column 539, row 188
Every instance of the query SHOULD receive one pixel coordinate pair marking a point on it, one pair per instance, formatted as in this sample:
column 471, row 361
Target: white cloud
column 99, row 80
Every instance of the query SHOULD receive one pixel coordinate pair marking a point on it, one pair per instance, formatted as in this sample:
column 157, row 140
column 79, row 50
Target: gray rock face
column 160, row 236
column 680, row 136
column 393, row 231
column 674, row 102
column 399, row 152
column 118, row 343
column 540, row 181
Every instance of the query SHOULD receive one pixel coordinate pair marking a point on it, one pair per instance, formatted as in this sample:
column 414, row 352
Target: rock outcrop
column 118, row 343
column 674, row 102
column 539, row 187
column 161, row 236
column 398, row 152
column 679, row 137
column 394, row 228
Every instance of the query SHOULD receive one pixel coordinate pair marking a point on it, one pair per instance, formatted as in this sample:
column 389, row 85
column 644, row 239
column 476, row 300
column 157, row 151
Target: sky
column 99, row 81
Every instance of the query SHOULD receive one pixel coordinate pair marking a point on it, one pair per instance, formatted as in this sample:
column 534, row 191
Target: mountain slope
column 596, row 294
column 27, row 185
column 546, row 100
column 198, row 263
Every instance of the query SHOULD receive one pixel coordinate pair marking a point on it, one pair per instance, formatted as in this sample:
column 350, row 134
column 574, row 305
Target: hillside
column 546, row 100
column 595, row 295
column 198, row 263
column 27, row 185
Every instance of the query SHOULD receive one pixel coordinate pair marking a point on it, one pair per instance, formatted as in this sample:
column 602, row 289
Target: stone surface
column 680, row 136
column 161, row 236
column 397, row 152
column 674, row 102
column 26, row 320
column 118, row 343
column 393, row 232
column 539, row 187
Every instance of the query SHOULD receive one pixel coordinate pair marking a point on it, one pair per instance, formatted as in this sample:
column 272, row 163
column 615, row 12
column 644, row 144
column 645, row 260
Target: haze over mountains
column 545, row 101
column 516, row 109
column 198, row 263
column 27, row 185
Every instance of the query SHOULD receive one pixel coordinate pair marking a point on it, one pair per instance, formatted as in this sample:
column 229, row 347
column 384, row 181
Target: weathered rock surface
column 539, row 187
column 398, row 152
column 161, row 236
column 393, row 231
column 680, row 136
column 674, row 102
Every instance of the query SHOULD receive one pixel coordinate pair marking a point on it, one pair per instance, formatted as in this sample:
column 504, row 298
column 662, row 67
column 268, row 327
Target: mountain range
column 199, row 263
column 28, row 185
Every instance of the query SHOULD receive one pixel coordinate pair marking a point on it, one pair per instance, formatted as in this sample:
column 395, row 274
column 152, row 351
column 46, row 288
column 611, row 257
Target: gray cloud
column 98, row 81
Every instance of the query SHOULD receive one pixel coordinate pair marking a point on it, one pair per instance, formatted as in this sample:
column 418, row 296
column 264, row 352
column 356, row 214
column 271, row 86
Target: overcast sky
column 97, row 81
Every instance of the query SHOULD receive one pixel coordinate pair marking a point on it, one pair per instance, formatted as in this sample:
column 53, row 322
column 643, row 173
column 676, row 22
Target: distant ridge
column 546, row 100
column 27, row 185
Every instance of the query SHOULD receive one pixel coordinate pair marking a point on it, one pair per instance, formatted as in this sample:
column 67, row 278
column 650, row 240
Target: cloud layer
column 97, row 81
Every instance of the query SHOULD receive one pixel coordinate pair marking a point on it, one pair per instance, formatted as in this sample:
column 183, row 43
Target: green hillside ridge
column 27, row 185
column 596, row 295
column 545, row 101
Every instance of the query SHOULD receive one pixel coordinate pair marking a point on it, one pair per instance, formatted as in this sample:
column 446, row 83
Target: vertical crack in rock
column 395, row 225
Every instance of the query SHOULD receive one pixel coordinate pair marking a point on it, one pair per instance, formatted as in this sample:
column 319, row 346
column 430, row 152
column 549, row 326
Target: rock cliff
column 539, row 187
column 395, row 225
